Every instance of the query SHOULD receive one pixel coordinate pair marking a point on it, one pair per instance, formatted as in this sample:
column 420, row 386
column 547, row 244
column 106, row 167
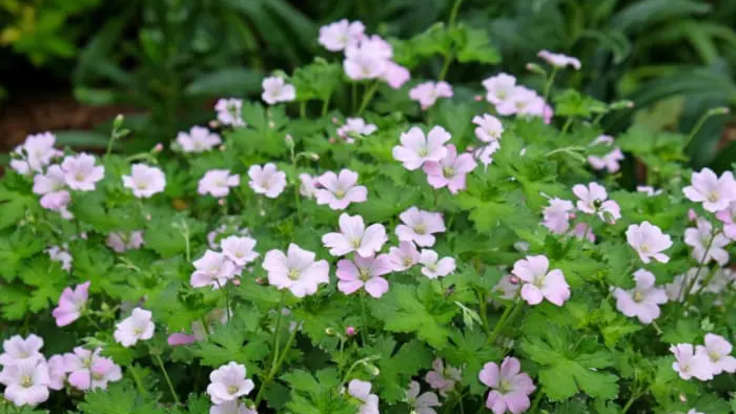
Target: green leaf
column 227, row 81
column 473, row 45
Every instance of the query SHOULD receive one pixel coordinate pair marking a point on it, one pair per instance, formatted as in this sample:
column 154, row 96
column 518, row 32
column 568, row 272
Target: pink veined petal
column 346, row 270
column 489, row 374
column 509, row 367
column 531, row 294
column 496, row 402
column 555, row 288
column 376, row 286
column 357, row 194
column 517, row 402
column 349, row 286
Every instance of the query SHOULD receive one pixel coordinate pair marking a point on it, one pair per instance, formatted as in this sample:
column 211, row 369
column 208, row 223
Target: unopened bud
column 350, row 331
column 289, row 140
column 221, row 201
column 214, row 124
column 158, row 147
column 222, row 148
column 329, row 332
column 331, row 140
column 624, row 104
column 271, row 124
column 335, row 120
column 534, row 68
column 372, row 369
column 118, row 122
column 478, row 98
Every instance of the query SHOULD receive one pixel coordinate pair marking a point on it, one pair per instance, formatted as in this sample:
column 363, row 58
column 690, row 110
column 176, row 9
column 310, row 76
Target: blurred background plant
column 166, row 60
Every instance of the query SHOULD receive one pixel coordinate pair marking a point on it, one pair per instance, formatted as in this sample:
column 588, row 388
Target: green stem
column 302, row 109
column 325, row 106
column 445, row 65
column 354, row 96
column 160, row 363
column 701, row 121
column 453, row 13
column 364, row 317
column 137, row 380
column 367, row 96
column 691, row 282
column 535, row 403
column 631, row 401
column 275, row 338
column 502, row 321
column 550, row 81
column 275, row 366
column 568, row 124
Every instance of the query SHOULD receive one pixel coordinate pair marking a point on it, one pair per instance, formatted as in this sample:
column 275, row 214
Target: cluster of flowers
column 592, row 200
column 366, row 57
column 53, row 181
column 215, row 269
column 28, row 375
column 704, row 361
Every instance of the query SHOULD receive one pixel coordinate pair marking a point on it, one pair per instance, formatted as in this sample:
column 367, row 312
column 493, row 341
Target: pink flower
column 499, row 88
column 17, row 349
column 37, row 152
column 489, row 128
column 443, row 379
column 715, row 193
column 212, row 269
column 362, row 391
column 421, row 404
column 144, row 180
column 418, row 226
column 395, row 75
column 508, row 287
column 427, row 93
column 648, row 241
column 275, row 90
column 338, row 191
column 217, row 183
column 89, row 371
column 231, row 407
column 355, row 237
column 510, row 388
column 71, row 304
column 239, row 249
column 522, row 101
column 228, row 382
column 229, row 112
column 643, row 301
column 363, row 272
column 592, row 200
column 308, row 185
column 557, row 215
column 121, row 241
column 540, row 284
column 199, row 139
column 179, row 339
column 450, row 171
column 728, row 217
column 57, row 372
column 267, row 180
column 559, row 60
column 297, row 270
column 485, row 153
column 26, row 382
column 706, row 245
column 81, row 173
column 434, row 267
column 610, row 160
column 137, row 327
column 415, row 149
column 650, row 191
column 370, row 59
column 718, row 352
column 690, row 364
column 403, row 257
column 355, row 126
column 340, row 34
column 52, row 187
column 582, row 231
column 61, row 255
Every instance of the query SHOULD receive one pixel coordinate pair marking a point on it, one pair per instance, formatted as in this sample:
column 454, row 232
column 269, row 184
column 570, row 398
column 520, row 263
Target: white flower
column 706, row 245
column 26, row 382
column 340, row 34
column 422, row 404
column 217, row 183
column 648, row 241
column 239, row 249
column 199, row 139
column 434, row 267
column 228, row 382
column 144, row 180
column 267, row 180
column 229, row 111
column 276, row 90
column 137, row 327
column 715, row 193
column 81, row 173
column 362, row 391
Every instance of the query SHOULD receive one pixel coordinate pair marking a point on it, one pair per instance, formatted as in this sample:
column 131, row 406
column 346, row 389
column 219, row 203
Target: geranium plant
column 367, row 241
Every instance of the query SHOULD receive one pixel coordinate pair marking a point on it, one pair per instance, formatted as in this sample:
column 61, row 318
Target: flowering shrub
column 423, row 251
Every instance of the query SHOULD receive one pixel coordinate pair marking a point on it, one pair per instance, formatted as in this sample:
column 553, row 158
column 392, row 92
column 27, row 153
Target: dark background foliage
column 72, row 65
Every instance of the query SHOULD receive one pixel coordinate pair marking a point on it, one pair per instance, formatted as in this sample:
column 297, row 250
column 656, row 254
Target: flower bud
column 158, row 148
column 350, row 331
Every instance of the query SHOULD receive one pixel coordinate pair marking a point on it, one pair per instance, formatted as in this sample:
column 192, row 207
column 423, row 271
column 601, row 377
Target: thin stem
column 227, row 303
column 325, row 106
column 453, row 13
column 275, row 338
column 566, row 126
column 276, row 366
column 701, row 121
column 160, row 363
column 137, row 380
column 302, row 109
column 364, row 317
column 684, row 294
column 631, row 401
column 501, row 322
column 354, row 96
column 550, row 81
column 537, row 399
column 445, row 65
column 367, row 96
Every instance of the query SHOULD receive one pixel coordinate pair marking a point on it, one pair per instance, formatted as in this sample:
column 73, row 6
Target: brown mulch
column 35, row 114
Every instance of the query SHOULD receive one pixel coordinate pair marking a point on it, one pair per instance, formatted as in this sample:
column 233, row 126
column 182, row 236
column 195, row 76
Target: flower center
column 638, row 296
column 644, row 248
column 713, row 197
column 408, row 261
column 423, row 152
column 293, row 274
column 26, row 381
column 340, row 193
column 714, row 356
column 504, row 386
column 420, row 229
column 79, row 176
column 364, row 274
column 355, row 243
column 232, row 389
column 137, row 331
column 448, row 172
